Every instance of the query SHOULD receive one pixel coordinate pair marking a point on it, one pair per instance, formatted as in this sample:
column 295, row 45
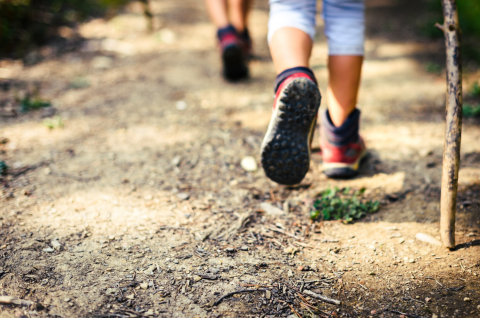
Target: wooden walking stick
column 453, row 125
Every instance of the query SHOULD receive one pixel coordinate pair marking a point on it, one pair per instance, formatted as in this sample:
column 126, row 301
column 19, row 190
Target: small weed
column 54, row 122
column 475, row 91
column 3, row 168
column 471, row 111
column 334, row 204
column 433, row 68
column 28, row 103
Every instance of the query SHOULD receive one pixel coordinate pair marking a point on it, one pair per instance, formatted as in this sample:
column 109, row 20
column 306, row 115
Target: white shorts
column 344, row 22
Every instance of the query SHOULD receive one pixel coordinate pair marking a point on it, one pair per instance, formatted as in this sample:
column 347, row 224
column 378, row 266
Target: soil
column 138, row 205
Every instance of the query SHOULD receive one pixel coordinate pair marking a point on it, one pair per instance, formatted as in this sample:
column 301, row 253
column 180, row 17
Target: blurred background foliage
column 469, row 15
column 26, row 24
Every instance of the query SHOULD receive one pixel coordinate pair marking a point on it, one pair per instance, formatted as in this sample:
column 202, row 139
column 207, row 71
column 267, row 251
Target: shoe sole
column 234, row 67
column 285, row 150
column 339, row 170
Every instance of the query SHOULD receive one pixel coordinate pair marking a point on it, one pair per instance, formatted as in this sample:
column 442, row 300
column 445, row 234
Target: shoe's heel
column 234, row 66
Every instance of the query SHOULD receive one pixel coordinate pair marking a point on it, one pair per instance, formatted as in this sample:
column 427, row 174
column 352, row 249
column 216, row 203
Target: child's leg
column 286, row 146
column 238, row 11
column 342, row 146
column 218, row 12
column 291, row 29
column 290, row 47
column 230, row 19
column 344, row 80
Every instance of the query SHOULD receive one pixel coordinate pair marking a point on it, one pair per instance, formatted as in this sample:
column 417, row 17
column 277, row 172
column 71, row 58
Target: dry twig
column 10, row 300
column 219, row 300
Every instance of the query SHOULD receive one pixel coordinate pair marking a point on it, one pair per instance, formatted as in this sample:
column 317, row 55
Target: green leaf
column 336, row 204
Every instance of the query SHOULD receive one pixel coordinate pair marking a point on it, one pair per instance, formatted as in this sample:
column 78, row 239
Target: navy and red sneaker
column 233, row 54
column 285, row 151
column 342, row 147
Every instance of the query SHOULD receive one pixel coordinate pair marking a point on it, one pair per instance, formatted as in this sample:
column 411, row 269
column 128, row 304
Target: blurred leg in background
column 230, row 17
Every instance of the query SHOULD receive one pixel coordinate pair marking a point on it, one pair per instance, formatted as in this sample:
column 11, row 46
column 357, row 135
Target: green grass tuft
column 28, row 103
column 3, row 168
column 475, row 91
column 471, row 111
column 54, row 122
column 346, row 205
column 433, row 68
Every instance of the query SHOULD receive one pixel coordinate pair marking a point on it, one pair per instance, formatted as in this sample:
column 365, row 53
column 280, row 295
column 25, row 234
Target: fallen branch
column 206, row 276
column 401, row 313
column 275, row 229
column 10, row 300
column 219, row 300
column 321, row 297
column 19, row 172
column 434, row 280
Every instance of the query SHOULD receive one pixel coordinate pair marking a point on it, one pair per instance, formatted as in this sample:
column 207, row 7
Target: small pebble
column 144, row 285
column 466, row 299
column 249, row 164
column 183, row 196
column 268, row 294
column 175, row 261
column 244, row 248
column 197, row 278
column 48, row 250
column 181, row 105
column 66, row 300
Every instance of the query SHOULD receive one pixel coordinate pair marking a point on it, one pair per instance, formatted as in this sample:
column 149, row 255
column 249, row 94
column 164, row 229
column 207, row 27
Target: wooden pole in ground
column 453, row 125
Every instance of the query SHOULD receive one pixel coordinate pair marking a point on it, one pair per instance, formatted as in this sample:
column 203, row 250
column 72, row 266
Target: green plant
column 54, row 122
column 26, row 24
column 471, row 111
column 475, row 91
column 3, row 168
column 346, row 205
column 28, row 103
column 433, row 68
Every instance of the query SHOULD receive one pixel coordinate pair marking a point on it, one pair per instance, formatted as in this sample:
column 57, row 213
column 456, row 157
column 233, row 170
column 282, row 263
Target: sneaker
column 285, row 150
column 341, row 161
column 233, row 55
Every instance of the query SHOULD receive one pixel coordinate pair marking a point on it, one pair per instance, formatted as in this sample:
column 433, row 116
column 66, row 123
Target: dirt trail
column 138, row 206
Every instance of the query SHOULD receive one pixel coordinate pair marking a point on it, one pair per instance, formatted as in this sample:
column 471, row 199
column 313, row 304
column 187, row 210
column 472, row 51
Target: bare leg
column 238, row 12
column 218, row 12
column 290, row 47
column 344, row 72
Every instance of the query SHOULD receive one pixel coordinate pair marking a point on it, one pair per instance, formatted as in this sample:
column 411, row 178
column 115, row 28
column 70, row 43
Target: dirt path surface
column 139, row 206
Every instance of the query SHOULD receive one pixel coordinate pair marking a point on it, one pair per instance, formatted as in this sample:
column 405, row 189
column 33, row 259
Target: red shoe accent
column 342, row 161
column 287, row 81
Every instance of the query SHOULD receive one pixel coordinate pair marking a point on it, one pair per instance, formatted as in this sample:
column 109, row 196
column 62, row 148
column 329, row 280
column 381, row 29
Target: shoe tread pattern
column 285, row 154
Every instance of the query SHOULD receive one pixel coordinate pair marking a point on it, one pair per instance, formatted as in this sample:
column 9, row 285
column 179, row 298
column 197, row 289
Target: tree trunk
column 453, row 127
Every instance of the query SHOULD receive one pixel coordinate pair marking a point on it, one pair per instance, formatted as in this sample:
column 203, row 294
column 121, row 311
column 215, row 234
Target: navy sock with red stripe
column 346, row 133
column 294, row 70
column 226, row 30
